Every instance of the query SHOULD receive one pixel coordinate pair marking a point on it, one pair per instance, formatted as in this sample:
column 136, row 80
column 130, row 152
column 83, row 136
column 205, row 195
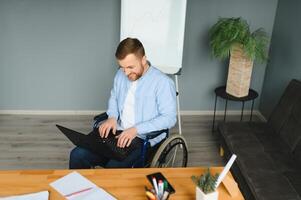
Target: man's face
column 133, row 66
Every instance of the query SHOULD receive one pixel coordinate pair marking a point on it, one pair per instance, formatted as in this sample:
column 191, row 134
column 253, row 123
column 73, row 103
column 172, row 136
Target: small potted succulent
column 206, row 186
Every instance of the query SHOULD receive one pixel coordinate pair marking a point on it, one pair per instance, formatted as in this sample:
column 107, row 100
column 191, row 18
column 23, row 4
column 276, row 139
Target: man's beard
column 134, row 76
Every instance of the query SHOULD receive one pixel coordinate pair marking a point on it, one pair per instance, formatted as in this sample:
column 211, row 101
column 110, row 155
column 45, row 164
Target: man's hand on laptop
column 126, row 137
column 105, row 128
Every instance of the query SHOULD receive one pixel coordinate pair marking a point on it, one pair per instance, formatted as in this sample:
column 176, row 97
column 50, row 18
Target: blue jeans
column 81, row 158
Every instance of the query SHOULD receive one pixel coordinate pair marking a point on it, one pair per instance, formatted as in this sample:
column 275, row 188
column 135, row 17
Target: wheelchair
column 170, row 152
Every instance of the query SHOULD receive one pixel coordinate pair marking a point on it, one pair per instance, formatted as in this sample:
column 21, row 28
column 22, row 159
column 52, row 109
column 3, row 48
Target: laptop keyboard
column 111, row 143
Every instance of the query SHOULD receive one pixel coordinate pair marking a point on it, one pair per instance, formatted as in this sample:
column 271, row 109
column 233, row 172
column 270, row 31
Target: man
column 142, row 100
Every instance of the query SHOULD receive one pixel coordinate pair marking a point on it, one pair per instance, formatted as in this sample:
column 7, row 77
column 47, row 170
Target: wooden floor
column 34, row 142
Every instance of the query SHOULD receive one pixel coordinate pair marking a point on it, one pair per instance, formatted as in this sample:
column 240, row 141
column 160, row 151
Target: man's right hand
column 105, row 127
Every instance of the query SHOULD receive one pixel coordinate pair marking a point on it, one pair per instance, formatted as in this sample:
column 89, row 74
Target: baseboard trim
column 218, row 112
column 95, row 112
column 50, row 112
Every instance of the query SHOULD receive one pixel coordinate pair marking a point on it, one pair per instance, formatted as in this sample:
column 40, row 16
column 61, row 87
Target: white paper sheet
column 76, row 187
column 33, row 196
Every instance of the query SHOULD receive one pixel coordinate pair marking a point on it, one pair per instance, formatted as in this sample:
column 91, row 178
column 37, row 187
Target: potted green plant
column 231, row 37
column 206, row 186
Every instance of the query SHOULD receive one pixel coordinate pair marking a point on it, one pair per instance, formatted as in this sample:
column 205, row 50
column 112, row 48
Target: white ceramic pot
column 200, row 195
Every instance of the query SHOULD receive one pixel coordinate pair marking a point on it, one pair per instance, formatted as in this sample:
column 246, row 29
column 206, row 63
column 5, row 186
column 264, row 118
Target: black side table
column 221, row 92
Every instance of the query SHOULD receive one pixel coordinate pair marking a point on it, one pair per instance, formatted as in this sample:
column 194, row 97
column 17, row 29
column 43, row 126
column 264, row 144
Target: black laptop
column 102, row 146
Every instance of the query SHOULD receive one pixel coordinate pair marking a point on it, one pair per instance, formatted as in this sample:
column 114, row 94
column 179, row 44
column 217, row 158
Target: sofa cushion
column 239, row 137
column 297, row 153
column 295, row 178
column 283, row 109
column 235, row 129
column 272, row 143
column 271, row 186
column 284, row 162
column 264, row 177
column 255, row 162
column 291, row 130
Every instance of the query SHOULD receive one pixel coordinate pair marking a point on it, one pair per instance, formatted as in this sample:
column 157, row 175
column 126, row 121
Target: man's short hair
column 128, row 46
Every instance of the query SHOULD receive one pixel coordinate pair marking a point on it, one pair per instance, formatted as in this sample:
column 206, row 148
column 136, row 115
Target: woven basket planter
column 239, row 73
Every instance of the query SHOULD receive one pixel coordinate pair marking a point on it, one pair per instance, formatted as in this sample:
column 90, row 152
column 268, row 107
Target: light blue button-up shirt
column 155, row 101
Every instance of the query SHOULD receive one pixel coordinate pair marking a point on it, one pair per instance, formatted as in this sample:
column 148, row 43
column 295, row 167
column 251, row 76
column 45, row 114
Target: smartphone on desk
column 159, row 176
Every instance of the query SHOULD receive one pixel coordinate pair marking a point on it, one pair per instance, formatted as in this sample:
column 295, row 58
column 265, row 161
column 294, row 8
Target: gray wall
column 59, row 54
column 201, row 72
column 285, row 59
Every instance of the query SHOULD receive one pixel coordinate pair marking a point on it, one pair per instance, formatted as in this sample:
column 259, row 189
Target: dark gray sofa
column 268, row 165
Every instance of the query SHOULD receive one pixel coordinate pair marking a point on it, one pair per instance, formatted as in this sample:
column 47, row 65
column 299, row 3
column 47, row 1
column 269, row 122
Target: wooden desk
column 121, row 183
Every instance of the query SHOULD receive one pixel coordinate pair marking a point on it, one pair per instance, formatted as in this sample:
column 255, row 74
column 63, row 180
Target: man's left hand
column 126, row 137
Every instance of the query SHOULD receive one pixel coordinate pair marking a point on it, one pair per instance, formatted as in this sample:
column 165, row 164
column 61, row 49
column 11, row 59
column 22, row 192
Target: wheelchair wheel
column 172, row 153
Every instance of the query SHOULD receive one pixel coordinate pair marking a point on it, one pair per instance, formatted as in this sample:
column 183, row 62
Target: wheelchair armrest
column 146, row 145
column 154, row 134
column 99, row 118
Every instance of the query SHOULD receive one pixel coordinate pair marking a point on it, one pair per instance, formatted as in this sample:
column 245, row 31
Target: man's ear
column 144, row 60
